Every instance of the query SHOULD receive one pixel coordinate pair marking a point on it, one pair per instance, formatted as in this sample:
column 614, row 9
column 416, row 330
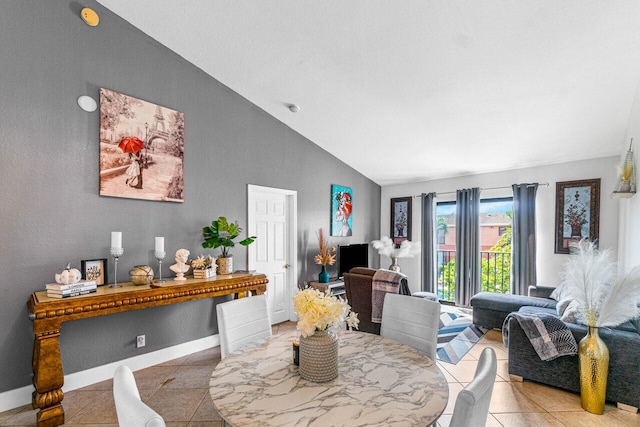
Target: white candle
column 159, row 244
column 116, row 239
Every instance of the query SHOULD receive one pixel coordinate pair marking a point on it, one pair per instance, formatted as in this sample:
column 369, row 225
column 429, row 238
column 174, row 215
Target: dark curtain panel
column 523, row 238
column 467, row 245
column 428, row 242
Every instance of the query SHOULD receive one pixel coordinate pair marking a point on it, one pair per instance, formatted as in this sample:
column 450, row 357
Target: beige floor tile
column 4, row 416
column 549, row 398
column 625, row 417
column 463, row 371
column 503, row 371
column 206, row 410
column 454, row 389
column 493, row 335
column 528, row 420
column 25, row 417
column 191, row 377
column 445, row 420
column 506, row 398
column 446, row 373
column 209, row 357
column 217, row 423
column 76, row 400
column 178, row 404
column 176, row 362
column 154, row 377
column 100, row 410
column 102, row 385
column 586, row 419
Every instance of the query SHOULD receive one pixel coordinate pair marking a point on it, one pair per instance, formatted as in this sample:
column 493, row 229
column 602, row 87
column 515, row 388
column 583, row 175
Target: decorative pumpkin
column 141, row 275
column 68, row 276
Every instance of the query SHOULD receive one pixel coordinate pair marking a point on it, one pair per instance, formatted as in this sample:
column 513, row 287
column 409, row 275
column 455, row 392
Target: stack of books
column 83, row 287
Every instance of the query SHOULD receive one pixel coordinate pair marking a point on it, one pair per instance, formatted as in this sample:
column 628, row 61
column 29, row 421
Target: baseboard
column 22, row 396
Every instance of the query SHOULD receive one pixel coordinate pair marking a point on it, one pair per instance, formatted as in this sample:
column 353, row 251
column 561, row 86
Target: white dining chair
column 472, row 404
column 131, row 411
column 242, row 322
column 411, row 321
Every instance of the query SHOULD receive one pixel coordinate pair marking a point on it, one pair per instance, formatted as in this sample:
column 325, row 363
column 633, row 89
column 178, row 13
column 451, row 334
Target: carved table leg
column 48, row 379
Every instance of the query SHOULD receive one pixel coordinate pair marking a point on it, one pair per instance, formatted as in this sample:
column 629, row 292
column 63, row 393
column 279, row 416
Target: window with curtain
column 495, row 246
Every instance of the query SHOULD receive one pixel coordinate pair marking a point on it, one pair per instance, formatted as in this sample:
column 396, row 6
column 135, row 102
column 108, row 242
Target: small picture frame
column 400, row 219
column 577, row 213
column 95, row 269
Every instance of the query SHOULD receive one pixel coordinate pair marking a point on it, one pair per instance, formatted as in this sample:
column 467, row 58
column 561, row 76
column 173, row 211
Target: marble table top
column 380, row 382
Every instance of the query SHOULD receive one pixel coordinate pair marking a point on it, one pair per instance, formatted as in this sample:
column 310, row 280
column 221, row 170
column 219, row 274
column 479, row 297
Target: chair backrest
column 411, row 321
column 357, row 285
column 241, row 322
column 472, row 404
column 132, row 412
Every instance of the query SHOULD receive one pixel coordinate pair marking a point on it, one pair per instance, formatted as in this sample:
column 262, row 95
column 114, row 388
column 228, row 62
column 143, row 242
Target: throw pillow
column 567, row 310
column 559, row 293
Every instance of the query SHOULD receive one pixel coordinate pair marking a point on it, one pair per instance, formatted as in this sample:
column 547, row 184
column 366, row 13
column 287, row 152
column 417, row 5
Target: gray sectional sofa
column 623, row 382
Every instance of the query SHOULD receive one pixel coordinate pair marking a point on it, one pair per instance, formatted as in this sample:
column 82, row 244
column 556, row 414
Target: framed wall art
column 95, row 269
column 141, row 149
column 577, row 212
column 341, row 211
column 400, row 219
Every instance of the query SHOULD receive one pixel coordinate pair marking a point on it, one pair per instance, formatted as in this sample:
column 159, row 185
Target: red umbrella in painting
column 131, row 144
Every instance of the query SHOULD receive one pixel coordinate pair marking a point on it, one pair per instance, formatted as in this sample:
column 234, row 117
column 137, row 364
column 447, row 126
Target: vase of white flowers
column 601, row 299
column 407, row 249
column 318, row 312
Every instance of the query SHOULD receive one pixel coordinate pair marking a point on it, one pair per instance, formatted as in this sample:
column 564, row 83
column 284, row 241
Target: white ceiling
column 415, row 90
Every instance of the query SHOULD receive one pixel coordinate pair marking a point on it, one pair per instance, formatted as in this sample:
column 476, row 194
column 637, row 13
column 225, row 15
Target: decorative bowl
column 141, row 275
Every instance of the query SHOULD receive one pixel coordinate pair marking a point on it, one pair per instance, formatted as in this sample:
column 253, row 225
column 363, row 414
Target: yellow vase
column 593, row 356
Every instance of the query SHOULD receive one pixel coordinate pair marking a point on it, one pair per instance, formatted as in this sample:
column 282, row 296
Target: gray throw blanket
column 383, row 282
column 548, row 335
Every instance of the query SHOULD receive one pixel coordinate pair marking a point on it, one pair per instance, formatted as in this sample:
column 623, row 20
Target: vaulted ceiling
column 414, row 90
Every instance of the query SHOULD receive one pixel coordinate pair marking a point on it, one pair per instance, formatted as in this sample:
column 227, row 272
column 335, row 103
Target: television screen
column 350, row 256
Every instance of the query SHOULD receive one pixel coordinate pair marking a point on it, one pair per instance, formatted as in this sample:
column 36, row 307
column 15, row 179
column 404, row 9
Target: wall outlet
column 140, row 342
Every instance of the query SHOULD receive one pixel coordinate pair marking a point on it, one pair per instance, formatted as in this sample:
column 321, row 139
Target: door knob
column 286, row 266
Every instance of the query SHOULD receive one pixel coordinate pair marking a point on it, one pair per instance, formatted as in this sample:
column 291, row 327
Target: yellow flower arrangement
column 318, row 311
column 327, row 253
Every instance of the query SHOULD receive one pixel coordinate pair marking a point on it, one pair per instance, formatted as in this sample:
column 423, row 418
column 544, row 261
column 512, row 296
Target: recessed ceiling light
column 294, row 108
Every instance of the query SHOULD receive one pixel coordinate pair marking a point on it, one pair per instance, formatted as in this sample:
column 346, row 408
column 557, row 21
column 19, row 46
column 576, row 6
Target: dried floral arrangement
column 327, row 255
column 202, row 262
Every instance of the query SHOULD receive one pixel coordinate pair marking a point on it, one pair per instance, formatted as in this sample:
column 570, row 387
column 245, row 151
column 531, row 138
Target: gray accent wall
column 50, row 209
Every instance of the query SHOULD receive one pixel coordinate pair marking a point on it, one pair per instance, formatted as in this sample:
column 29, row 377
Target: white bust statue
column 181, row 266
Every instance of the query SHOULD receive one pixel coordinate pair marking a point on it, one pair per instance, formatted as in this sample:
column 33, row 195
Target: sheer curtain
column 467, row 245
column 523, row 238
column 428, row 243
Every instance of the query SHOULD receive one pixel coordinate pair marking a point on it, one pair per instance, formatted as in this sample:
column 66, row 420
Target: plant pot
column 225, row 265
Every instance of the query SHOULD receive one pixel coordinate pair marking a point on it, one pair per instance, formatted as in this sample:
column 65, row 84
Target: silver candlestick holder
column 159, row 255
column 116, row 253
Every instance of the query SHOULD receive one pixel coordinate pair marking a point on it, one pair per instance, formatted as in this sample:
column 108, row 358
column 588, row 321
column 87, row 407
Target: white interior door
column 272, row 219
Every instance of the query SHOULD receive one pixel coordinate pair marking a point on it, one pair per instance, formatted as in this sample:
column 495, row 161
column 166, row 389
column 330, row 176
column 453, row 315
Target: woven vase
column 593, row 356
column 225, row 265
column 319, row 357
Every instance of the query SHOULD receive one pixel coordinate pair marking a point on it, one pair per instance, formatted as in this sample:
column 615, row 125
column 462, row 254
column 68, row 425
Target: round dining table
column 380, row 382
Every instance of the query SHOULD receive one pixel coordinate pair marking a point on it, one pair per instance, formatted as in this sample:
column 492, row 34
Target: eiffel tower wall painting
column 141, row 149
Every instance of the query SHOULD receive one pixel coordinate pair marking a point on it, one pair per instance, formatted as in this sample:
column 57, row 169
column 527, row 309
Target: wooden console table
column 49, row 313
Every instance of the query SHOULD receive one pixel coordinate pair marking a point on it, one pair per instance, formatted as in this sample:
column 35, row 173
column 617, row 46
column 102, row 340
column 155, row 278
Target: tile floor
column 179, row 391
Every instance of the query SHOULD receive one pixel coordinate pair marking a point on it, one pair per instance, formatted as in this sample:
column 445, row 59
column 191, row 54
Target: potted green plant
column 221, row 234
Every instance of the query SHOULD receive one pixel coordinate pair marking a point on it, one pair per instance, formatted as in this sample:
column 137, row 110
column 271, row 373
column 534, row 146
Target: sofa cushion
column 507, row 302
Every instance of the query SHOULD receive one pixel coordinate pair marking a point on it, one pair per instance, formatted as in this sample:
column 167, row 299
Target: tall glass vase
column 593, row 356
